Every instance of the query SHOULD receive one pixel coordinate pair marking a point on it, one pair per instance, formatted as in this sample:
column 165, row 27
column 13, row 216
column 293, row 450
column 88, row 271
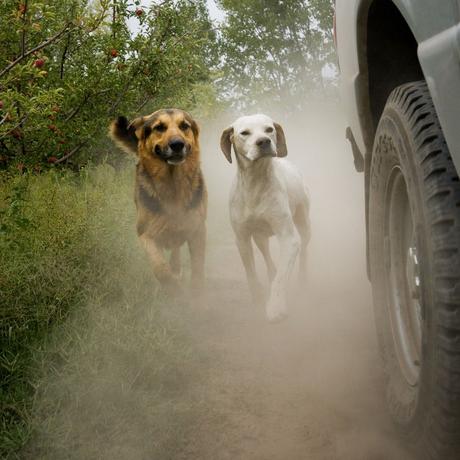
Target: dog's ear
column 124, row 133
column 226, row 143
column 195, row 128
column 281, row 147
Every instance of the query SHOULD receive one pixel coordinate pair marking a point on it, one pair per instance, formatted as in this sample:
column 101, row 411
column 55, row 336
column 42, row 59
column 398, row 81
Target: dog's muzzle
column 265, row 148
column 174, row 153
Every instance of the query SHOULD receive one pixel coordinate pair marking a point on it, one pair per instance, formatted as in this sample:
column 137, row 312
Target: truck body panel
column 436, row 28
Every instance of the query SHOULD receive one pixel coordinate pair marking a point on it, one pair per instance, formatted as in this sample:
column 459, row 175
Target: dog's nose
column 263, row 142
column 176, row 145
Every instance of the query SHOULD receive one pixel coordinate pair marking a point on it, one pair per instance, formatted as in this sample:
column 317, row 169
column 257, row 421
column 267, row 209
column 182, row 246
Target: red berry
column 52, row 159
column 139, row 12
column 39, row 63
column 16, row 133
column 56, row 109
column 113, row 53
column 52, row 127
column 61, row 141
column 1, row 104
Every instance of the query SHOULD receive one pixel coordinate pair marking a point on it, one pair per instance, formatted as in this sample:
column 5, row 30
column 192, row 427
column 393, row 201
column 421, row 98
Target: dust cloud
column 308, row 388
column 312, row 387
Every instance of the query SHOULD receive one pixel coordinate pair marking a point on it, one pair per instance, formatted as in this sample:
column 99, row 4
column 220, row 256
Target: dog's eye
column 184, row 126
column 147, row 131
column 269, row 130
column 161, row 128
column 245, row 133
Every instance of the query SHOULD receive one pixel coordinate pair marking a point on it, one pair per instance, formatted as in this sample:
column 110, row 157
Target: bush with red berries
column 67, row 68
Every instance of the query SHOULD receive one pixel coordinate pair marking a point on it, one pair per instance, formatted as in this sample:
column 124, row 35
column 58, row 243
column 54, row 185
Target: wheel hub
column 404, row 282
column 413, row 273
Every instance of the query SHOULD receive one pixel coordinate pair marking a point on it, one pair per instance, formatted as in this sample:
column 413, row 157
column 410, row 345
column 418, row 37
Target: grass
column 92, row 357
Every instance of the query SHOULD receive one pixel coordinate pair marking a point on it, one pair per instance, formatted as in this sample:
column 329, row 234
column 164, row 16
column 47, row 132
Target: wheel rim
column 403, row 278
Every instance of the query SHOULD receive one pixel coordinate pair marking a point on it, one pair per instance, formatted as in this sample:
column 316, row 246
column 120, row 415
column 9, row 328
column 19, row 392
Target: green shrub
column 70, row 257
column 57, row 235
column 67, row 67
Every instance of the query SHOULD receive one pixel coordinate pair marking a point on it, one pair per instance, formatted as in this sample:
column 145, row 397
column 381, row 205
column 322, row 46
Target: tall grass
column 79, row 315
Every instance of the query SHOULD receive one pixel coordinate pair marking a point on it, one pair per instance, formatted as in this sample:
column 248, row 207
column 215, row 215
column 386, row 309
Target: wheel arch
column 387, row 58
column 384, row 64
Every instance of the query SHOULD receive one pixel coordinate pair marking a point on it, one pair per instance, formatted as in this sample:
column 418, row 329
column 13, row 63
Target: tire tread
column 442, row 202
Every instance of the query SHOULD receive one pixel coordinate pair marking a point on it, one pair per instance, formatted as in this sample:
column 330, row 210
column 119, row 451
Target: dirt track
column 311, row 387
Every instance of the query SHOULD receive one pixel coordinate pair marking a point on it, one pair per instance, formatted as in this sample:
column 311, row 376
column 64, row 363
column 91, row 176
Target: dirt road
column 311, row 387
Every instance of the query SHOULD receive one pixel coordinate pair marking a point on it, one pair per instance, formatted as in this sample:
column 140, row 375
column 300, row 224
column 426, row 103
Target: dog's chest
column 259, row 225
column 261, row 209
column 252, row 219
column 177, row 229
column 170, row 214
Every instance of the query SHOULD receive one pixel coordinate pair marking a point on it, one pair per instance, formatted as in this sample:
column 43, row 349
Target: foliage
column 68, row 67
column 67, row 243
column 70, row 257
column 275, row 52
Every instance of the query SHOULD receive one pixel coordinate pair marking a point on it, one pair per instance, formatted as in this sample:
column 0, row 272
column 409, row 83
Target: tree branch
column 33, row 50
column 84, row 101
column 72, row 152
column 64, row 54
column 136, row 71
column 143, row 104
column 23, row 34
column 5, row 118
column 18, row 125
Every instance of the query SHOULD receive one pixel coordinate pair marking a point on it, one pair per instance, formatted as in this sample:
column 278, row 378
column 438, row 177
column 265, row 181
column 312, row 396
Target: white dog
column 267, row 198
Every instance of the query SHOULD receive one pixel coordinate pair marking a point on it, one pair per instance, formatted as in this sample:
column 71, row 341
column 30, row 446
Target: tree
column 67, row 67
column 275, row 52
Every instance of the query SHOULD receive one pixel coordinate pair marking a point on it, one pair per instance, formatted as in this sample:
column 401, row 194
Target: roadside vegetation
column 73, row 281
column 71, row 258
column 68, row 67
column 286, row 60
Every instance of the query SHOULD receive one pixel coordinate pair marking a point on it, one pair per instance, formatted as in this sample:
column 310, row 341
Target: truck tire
column 414, row 251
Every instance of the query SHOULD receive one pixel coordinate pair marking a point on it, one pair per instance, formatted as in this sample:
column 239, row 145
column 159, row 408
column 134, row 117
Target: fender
column 436, row 28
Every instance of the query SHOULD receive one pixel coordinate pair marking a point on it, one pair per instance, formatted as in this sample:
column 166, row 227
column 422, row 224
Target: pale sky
column 215, row 13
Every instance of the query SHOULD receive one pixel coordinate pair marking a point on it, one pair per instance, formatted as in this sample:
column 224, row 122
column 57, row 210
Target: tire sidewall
column 395, row 147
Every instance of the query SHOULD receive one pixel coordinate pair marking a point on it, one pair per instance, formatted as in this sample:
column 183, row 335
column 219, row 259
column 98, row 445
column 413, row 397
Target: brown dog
column 170, row 192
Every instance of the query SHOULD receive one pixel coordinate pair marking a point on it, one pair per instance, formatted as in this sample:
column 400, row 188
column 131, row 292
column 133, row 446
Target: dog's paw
column 174, row 290
column 276, row 311
column 199, row 301
column 259, row 295
column 277, row 317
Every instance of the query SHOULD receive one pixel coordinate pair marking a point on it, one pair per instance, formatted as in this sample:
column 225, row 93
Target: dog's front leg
column 263, row 244
column 243, row 241
column 289, row 249
column 174, row 262
column 197, row 247
column 161, row 268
